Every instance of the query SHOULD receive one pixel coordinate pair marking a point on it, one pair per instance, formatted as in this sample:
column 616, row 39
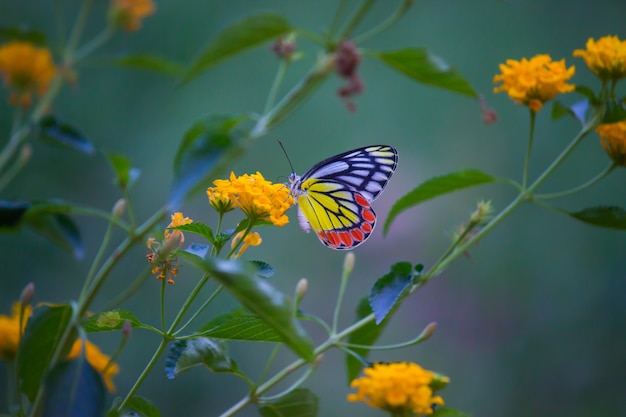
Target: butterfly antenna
column 286, row 156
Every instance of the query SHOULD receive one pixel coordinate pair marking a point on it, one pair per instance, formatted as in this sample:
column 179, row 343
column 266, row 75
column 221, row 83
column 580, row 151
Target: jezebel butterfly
column 334, row 196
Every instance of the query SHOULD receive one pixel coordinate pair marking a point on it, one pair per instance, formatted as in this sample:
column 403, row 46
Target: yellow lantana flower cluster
column 10, row 331
column 396, row 387
column 128, row 14
column 100, row 362
column 606, row 57
column 613, row 140
column 534, row 81
column 258, row 198
column 26, row 69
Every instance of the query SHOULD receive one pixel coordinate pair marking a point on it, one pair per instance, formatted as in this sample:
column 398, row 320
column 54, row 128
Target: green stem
column 269, row 362
column 200, row 310
column 190, row 299
column 293, row 386
column 162, row 300
column 386, row 24
column 77, row 32
column 94, row 44
column 13, row 170
column 345, row 275
column 334, row 26
column 581, row 187
column 96, row 261
column 280, row 74
column 128, row 292
column 528, row 149
column 356, row 18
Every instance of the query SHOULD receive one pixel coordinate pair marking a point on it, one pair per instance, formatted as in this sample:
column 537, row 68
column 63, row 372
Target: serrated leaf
column 200, row 152
column 23, row 34
column 185, row 354
column 12, row 213
column 197, row 228
column 41, row 337
column 263, row 269
column 239, row 325
column 365, row 335
column 257, row 295
column 148, row 62
column 73, row 389
column 245, row 34
column 388, row 289
column 59, row 133
column 300, row 402
column 142, row 406
column 435, row 187
column 419, row 65
column 107, row 321
column 125, row 174
column 610, row 217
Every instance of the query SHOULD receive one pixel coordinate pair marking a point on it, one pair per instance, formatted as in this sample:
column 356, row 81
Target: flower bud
column 301, row 288
column 483, row 212
column 348, row 263
column 127, row 328
column 119, row 208
column 27, row 294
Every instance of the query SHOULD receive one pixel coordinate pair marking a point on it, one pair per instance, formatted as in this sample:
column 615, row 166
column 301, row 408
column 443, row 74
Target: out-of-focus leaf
column 185, row 354
column 587, row 92
column 419, row 65
column 435, row 187
column 200, row 153
column 59, row 133
column 125, row 174
column 388, row 289
column 197, row 228
column 43, row 333
column 256, row 294
column 614, row 112
column 448, row 412
column 148, row 62
column 577, row 110
column 23, row 34
column 58, row 228
column 107, row 321
column 12, row 213
column 139, row 407
column 73, row 389
column 610, row 217
column 198, row 249
column 239, row 325
column 300, row 402
column 245, row 34
column 263, row 269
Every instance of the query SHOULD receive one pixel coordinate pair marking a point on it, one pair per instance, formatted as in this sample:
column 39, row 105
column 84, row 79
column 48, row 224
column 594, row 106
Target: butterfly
column 334, row 195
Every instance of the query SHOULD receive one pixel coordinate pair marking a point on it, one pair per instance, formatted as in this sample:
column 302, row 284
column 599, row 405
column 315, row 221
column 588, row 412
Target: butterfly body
column 334, row 196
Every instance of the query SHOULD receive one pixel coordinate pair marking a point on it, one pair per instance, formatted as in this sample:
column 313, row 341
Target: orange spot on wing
column 361, row 201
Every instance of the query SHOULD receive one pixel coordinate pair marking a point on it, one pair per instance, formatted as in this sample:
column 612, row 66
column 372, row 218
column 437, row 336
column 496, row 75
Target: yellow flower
column 606, row 57
column 177, row 220
column 396, row 387
column 160, row 255
column 258, row 198
column 535, row 81
column 26, row 69
column 10, row 331
column 127, row 14
column 98, row 360
column 251, row 239
column 613, row 140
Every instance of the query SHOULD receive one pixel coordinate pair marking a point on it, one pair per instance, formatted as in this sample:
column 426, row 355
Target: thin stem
column 200, row 310
column 448, row 252
column 96, row 261
column 13, row 170
column 162, row 300
column 529, row 148
column 334, row 26
column 128, row 292
column 425, row 334
column 356, row 18
column 12, row 145
column 345, row 275
column 77, row 32
column 386, row 24
column 192, row 296
column 280, row 75
column 293, row 386
column 94, row 44
column 581, row 187
column 269, row 362
column 130, row 209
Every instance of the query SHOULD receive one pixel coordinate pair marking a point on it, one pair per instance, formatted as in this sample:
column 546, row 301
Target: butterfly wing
column 334, row 196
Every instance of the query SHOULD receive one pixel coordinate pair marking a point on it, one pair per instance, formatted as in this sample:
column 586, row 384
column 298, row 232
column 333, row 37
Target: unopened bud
column 27, row 294
column 301, row 288
column 483, row 212
column 489, row 115
column 172, row 242
column 127, row 328
column 348, row 263
column 119, row 208
column 439, row 381
column 428, row 331
column 26, row 153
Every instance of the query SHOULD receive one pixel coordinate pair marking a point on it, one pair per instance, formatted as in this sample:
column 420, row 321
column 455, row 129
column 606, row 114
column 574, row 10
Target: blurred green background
column 533, row 324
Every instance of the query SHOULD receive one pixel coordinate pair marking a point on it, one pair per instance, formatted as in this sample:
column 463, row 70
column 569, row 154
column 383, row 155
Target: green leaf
column 143, row 406
column 58, row 228
column 577, row 110
column 200, row 152
column 23, row 34
column 197, row 228
column 256, row 294
column 43, row 333
column 74, row 389
column 614, row 112
column 610, row 217
column 148, row 62
column 239, row 325
column 12, row 213
column 448, row 412
column 300, row 402
column 263, row 269
column 435, row 187
column 419, row 65
column 366, row 336
column 185, row 354
column 125, row 174
column 388, row 289
column 247, row 33
column 58, row 133
column 587, row 92
column 112, row 320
